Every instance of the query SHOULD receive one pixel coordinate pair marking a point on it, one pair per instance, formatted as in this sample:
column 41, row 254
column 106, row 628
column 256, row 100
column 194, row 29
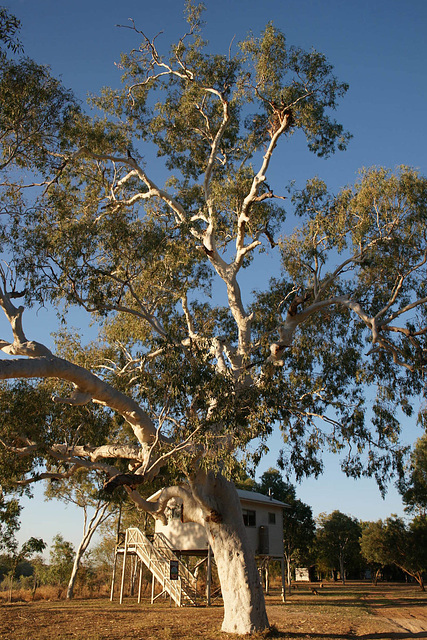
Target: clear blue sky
column 379, row 47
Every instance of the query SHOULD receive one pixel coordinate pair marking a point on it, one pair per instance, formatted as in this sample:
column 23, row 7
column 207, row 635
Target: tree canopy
column 103, row 235
column 182, row 381
column 396, row 542
column 413, row 486
column 9, row 522
column 337, row 541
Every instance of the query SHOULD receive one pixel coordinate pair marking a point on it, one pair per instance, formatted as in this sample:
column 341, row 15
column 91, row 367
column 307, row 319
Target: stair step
column 156, row 556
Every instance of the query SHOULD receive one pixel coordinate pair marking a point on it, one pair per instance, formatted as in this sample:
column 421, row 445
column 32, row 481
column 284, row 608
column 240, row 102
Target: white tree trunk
column 244, row 604
column 99, row 516
column 212, row 501
column 76, row 565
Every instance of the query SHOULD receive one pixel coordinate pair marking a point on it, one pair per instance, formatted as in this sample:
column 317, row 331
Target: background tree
column 40, row 573
column 337, row 541
column 404, row 546
column 31, row 546
column 192, row 380
column 372, row 547
column 9, row 522
column 83, row 490
column 413, row 488
column 271, row 483
column 298, row 535
column 61, row 556
column 395, row 542
column 415, row 558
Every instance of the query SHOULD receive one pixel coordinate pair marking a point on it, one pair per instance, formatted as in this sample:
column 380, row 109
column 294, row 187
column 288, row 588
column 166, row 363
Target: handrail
column 154, row 561
column 156, row 556
column 184, row 571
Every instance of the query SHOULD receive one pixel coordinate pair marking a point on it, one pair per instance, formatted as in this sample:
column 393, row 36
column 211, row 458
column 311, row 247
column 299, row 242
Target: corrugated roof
column 254, row 496
column 248, row 496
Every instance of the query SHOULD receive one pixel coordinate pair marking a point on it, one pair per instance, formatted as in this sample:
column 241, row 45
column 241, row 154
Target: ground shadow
column 399, row 635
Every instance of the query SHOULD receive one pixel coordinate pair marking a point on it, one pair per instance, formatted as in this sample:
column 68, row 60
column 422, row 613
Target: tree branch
column 87, row 383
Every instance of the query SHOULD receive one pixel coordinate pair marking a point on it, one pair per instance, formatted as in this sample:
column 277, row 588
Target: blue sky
column 379, row 48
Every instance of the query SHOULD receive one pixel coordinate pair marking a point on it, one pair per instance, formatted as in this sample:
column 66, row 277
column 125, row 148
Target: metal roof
column 254, row 496
column 247, row 496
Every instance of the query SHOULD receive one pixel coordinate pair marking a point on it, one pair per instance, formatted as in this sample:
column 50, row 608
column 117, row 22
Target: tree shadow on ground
column 382, row 603
column 371, row 601
column 275, row 634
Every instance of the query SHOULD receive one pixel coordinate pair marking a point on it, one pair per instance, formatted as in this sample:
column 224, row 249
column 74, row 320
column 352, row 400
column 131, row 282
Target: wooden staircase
column 157, row 554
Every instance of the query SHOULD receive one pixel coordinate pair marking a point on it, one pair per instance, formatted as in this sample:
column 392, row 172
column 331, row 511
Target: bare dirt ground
column 407, row 613
column 356, row 610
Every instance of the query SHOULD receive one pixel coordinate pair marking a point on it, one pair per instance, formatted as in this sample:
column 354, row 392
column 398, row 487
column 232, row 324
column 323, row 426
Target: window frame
column 249, row 517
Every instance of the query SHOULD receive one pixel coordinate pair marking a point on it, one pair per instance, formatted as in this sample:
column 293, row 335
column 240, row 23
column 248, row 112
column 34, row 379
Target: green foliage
column 293, row 80
column 181, row 112
column 9, row 28
column 414, row 487
column 24, row 411
column 395, row 542
column 378, row 227
column 10, row 510
column 337, row 541
column 143, row 259
column 36, row 116
column 32, row 545
column 31, row 423
column 61, row 560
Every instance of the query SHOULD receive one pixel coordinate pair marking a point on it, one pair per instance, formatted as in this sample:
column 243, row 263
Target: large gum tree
column 181, row 381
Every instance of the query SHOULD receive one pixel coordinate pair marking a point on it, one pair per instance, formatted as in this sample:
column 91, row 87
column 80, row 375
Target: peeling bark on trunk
column 244, row 604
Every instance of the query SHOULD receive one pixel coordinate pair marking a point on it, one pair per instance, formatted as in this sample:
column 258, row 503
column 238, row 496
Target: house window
column 271, row 518
column 249, row 518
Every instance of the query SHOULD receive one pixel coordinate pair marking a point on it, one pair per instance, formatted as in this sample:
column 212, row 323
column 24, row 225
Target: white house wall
column 190, row 536
column 275, row 531
column 184, row 536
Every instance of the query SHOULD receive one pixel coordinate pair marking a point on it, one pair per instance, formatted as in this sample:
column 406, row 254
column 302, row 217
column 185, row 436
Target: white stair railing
column 188, row 580
column 156, row 556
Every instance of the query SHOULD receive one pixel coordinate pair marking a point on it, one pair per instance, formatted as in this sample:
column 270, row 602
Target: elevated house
column 162, row 553
column 262, row 515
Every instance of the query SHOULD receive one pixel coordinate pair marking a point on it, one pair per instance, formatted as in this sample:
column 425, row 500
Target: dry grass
column 337, row 613
column 50, row 592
